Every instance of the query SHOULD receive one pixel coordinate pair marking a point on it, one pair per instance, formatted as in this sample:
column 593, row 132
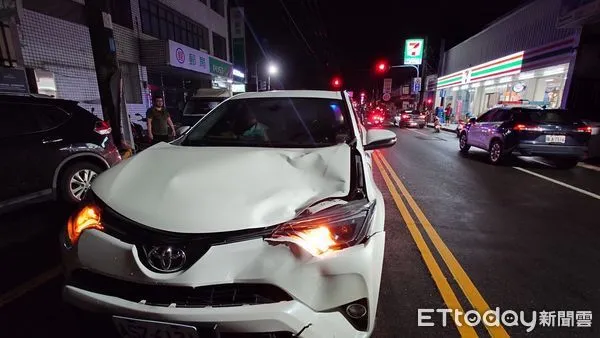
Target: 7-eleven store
column 537, row 76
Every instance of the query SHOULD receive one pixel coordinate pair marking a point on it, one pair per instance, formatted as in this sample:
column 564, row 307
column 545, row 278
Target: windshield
column 547, row 116
column 201, row 106
column 274, row 122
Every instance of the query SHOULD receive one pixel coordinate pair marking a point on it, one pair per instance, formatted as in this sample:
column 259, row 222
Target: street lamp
column 272, row 70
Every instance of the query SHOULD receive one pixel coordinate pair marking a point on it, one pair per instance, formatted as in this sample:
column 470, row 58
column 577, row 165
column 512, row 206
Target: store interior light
column 238, row 73
column 455, row 89
column 526, row 76
column 554, row 72
column 489, row 83
column 464, row 87
column 476, row 85
column 549, row 80
column 506, row 79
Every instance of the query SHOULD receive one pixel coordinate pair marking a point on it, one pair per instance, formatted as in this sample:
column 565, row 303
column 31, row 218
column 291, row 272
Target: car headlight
column 88, row 217
column 332, row 229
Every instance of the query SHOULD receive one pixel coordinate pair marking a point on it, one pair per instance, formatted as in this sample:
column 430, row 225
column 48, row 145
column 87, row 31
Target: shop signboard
column 238, row 37
column 416, row 85
column 430, row 82
column 502, row 67
column 220, row 68
column 13, row 80
column 413, row 51
column 387, row 86
column 185, row 57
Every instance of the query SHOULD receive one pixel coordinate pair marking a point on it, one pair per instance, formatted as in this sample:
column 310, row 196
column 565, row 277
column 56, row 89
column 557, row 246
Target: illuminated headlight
column 87, row 217
column 329, row 230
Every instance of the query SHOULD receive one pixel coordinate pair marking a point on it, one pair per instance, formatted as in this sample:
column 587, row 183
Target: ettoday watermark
column 506, row 318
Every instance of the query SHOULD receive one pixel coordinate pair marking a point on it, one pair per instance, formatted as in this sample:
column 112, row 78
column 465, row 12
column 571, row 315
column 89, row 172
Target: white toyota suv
column 263, row 218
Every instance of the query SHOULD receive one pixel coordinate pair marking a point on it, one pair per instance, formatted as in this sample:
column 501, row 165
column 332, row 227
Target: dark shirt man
column 159, row 122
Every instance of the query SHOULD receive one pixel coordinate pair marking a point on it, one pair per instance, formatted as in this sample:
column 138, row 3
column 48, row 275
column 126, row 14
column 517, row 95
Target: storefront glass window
column 542, row 87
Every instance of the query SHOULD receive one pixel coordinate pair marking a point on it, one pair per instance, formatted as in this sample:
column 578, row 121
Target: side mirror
column 182, row 130
column 380, row 138
column 472, row 120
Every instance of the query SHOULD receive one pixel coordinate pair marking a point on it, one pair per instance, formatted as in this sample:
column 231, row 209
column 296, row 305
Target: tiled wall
column 66, row 51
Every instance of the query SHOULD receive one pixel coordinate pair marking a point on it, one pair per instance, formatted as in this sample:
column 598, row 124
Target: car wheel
column 75, row 181
column 566, row 163
column 496, row 152
column 462, row 143
column 421, row 126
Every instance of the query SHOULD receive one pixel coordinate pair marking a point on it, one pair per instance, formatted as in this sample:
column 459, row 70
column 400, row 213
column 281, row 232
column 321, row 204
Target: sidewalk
column 451, row 127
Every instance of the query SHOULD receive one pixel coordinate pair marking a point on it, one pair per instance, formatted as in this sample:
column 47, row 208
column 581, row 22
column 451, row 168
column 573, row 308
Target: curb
column 443, row 128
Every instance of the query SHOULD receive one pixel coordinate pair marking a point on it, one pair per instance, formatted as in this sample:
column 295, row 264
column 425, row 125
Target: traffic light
column 336, row 83
column 381, row 67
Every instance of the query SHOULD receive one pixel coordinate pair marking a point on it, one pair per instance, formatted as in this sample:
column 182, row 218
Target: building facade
column 164, row 47
column 524, row 57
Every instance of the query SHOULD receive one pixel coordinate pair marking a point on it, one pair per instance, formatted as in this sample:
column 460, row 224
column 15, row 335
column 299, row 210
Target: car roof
column 35, row 98
column 317, row 94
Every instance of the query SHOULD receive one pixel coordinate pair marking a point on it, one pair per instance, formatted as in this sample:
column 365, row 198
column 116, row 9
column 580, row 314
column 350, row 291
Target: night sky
column 346, row 38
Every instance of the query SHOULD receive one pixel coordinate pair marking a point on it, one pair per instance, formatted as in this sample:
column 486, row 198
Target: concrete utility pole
column 107, row 67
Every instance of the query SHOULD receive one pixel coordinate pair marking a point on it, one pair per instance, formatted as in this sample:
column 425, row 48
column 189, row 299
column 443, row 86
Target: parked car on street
column 263, row 218
column 51, row 149
column 529, row 131
column 409, row 118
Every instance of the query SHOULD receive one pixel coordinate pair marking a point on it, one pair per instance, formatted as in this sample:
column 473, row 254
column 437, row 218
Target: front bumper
column 318, row 286
column 552, row 150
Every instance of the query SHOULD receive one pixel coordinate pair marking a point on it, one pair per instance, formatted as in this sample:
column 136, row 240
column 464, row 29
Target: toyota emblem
column 166, row 258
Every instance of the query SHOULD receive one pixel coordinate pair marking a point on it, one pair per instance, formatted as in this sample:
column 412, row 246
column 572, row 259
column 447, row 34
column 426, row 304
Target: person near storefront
column 448, row 113
column 159, row 122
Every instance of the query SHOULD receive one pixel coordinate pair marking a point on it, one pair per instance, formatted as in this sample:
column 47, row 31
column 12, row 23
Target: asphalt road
column 460, row 234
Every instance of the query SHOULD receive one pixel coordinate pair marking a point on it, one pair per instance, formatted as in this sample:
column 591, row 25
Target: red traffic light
column 381, row 67
column 336, row 82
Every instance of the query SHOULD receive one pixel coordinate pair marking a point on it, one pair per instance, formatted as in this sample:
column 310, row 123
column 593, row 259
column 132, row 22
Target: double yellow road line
column 401, row 198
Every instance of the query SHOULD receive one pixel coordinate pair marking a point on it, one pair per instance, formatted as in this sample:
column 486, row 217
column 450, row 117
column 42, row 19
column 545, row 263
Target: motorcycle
column 140, row 135
column 437, row 126
column 460, row 127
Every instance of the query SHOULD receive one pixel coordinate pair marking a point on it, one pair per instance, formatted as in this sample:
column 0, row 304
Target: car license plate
column 138, row 328
column 555, row 138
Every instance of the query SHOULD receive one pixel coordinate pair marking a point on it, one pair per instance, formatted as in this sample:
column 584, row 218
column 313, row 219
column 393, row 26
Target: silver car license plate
column 555, row 138
column 139, row 328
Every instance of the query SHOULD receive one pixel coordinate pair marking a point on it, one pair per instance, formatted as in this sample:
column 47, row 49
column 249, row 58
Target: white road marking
column 585, row 192
column 418, row 132
column 538, row 161
column 588, row 166
column 29, row 285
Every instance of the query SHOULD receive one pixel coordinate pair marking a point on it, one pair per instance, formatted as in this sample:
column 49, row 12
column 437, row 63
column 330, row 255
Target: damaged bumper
column 316, row 291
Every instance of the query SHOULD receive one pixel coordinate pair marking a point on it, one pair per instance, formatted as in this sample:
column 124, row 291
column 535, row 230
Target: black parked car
column 50, row 149
column 529, row 131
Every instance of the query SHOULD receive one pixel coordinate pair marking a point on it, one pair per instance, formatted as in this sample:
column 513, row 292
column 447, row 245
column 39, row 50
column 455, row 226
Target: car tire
column 496, row 152
column 462, row 143
column 421, row 126
column 566, row 163
column 75, row 180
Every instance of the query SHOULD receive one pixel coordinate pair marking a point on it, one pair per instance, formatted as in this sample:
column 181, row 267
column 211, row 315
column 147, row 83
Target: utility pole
column 107, row 67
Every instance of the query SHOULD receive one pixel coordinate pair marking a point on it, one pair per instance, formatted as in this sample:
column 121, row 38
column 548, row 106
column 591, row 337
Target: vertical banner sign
column 416, row 85
column 238, row 38
column 413, row 51
column 387, row 86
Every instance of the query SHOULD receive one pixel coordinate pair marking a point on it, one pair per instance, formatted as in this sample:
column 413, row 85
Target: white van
column 201, row 103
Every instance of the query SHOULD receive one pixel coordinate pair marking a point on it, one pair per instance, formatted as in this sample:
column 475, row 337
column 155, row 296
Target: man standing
column 448, row 113
column 159, row 122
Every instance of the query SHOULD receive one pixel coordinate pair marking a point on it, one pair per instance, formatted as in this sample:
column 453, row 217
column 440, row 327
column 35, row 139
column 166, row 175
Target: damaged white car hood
column 216, row 189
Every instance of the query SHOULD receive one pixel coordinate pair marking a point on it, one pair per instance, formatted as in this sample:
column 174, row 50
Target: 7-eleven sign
column 413, row 51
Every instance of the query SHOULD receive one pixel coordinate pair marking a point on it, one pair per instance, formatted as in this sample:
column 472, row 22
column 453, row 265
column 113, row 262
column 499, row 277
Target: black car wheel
column 566, row 163
column 76, row 180
column 422, row 126
column 462, row 143
column 496, row 152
